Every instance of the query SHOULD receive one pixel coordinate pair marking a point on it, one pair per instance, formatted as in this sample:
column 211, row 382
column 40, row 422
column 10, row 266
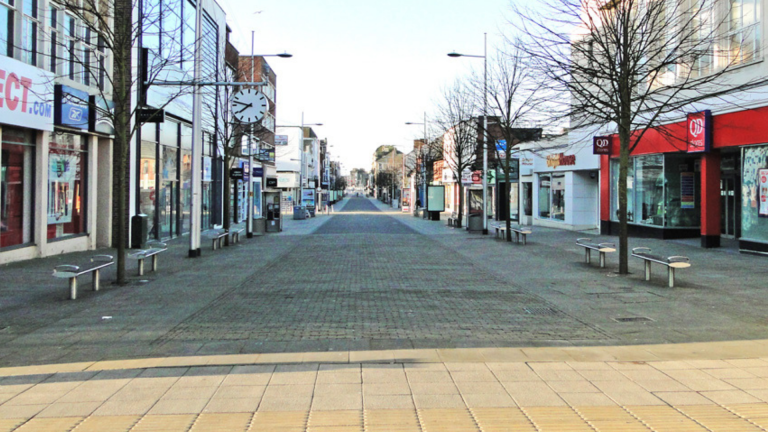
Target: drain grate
column 632, row 319
column 540, row 310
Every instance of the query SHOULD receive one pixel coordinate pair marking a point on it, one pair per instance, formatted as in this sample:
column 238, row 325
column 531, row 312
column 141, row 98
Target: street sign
column 150, row 115
column 236, row 173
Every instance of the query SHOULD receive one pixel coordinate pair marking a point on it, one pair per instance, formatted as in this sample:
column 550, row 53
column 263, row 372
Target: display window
column 754, row 194
column 545, row 181
column 17, row 156
column 662, row 190
column 67, row 175
column 552, row 196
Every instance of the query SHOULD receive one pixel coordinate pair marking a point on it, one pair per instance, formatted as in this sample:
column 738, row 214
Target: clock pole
column 197, row 145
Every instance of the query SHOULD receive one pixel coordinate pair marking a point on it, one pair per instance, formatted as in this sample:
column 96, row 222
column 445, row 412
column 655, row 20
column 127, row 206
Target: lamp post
column 485, row 124
column 423, row 168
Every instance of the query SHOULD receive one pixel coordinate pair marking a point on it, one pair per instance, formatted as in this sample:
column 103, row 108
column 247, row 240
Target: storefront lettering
column 556, row 160
column 15, row 89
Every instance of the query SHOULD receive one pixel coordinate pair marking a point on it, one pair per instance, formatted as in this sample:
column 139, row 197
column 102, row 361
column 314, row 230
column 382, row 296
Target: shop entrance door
column 730, row 217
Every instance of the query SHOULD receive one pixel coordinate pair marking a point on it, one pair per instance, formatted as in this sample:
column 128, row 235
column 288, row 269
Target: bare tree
column 455, row 118
column 516, row 99
column 634, row 65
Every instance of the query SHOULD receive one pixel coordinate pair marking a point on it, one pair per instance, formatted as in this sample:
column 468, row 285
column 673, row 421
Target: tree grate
column 633, row 319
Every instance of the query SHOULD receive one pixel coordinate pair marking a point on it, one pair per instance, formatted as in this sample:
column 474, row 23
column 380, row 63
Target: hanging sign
column 236, row 173
column 699, row 131
column 762, row 191
column 466, row 177
column 601, row 145
column 71, row 107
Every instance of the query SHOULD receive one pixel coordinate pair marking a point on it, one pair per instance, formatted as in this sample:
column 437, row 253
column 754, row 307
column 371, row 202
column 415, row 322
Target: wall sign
column 150, row 115
column 72, row 107
column 271, row 181
column 601, row 145
column 258, row 171
column 762, row 192
column 100, row 115
column 26, row 93
column 699, row 131
column 556, row 160
column 281, row 140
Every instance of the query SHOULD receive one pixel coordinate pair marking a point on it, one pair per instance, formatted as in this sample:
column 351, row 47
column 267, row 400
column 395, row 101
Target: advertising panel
column 762, row 191
column 700, row 131
column 26, row 95
column 601, row 145
column 308, row 197
column 687, row 190
column 436, row 198
column 61, row 177
column 206, row 169
column 257, row 197
column 71, row 108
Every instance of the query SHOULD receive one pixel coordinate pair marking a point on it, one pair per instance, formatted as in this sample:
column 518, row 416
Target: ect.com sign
column 26, row 95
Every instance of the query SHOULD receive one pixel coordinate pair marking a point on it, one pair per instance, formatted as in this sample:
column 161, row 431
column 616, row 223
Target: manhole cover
column 632, row 319
column 537, row 310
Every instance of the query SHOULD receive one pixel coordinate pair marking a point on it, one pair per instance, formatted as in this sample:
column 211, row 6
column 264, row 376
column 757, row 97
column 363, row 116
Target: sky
column 365, row 67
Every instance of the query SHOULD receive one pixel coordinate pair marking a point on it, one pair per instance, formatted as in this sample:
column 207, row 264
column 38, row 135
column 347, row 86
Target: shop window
column 544, row 187
column 743, row 38
column 649, row 190
column 17, row 156
column 754, row 225
column 6, row 27
column 67, row 163
column 147, row 184
column 558, row 196
column 514, row 204
column 615, row 190
column 683, row 191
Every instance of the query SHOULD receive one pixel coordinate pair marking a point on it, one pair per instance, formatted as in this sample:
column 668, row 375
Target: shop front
column 703, row 177
column 564, row 187
column 54, row 162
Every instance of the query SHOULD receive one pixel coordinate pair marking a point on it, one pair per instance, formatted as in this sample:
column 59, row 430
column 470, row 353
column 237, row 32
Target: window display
column 683, row 191
column 66, row 185
column 753, row 225
column 649, row 190
column 16, row 181
column 544, row 186
column 558, row 196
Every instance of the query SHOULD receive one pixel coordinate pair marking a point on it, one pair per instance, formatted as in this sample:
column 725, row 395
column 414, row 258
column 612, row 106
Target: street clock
column 249, row 106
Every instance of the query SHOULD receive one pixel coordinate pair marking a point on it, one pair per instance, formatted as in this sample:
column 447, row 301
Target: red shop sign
column 601, row 145
column 699, row 131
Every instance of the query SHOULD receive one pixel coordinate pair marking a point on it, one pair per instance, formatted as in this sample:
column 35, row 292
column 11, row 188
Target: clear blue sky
column 365, row 67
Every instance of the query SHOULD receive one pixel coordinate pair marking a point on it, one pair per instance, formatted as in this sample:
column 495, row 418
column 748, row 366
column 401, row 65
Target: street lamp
column 423, row 168
column 485, row 124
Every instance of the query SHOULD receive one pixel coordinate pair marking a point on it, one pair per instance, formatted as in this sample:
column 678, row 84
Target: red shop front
column 698, row 177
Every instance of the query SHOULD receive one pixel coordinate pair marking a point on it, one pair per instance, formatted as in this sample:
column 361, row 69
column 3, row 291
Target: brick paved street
column 370, row 277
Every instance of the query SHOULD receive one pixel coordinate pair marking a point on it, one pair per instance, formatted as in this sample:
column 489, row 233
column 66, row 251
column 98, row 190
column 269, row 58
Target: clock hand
column 238, row 102
column 244, row 108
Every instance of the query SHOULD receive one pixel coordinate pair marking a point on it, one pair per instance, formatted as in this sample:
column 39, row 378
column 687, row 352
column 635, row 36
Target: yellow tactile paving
column 611, row 419
column 7, row 425
column 233, row 422
column 165, row 423
column 556, row 419
column 332, row 421
column 65, row 424
column 755, row 413
column 107, row 424
column 391, row 421
column 665, row 419
column 718, row 419
column 502, row 420
column 279, row 421
column 447, row 420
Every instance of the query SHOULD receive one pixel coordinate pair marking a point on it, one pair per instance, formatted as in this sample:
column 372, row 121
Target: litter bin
column 259, row 226
column 299, row 212
column 475, row 222
column 139, row 231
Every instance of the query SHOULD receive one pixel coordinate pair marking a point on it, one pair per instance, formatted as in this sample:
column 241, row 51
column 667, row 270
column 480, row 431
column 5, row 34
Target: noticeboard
column 436, row 198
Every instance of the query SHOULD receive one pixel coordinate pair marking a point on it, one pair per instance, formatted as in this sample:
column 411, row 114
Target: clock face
column 249, row 106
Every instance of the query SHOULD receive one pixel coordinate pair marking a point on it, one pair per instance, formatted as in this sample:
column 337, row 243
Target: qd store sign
column 601, row 145
column 699, row 131
column 26, row 95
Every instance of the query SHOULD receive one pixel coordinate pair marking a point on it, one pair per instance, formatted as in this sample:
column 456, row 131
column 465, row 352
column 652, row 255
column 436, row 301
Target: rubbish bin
column 259, row 226
column 139, row 231
column 299, row 212
column 475, row 222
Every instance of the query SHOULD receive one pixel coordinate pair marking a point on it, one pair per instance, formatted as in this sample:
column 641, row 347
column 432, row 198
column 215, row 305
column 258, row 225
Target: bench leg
column 214, row 244
column 154, row 262
column 647, row 270
column 73, row 288
column 602, row 259
column 96, row 280
column 141, row 267
column 587, row 255
column 671, row 275
column 525, row 239
column 517, row 237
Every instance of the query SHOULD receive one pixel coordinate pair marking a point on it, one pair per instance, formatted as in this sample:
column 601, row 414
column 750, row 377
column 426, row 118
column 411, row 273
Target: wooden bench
column 672, row 263
column 519, row 231
column 500, row 230
column 154, row 249
column 589, row 246
column 236, row 234
column 71, row 272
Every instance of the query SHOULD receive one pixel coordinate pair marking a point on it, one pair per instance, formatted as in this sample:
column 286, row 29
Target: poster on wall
column 406, row 200
column 762, row 185
column 206, row 169
column 687, row 190
column 61, row 187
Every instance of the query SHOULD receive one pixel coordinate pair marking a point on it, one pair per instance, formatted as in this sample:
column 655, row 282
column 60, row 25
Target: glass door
column 729, row 207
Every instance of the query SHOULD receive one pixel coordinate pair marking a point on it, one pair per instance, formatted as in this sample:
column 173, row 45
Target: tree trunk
column 227, row 216
column 122, row 97
column 623, row 172
column 461, row 205
column 508, row 233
